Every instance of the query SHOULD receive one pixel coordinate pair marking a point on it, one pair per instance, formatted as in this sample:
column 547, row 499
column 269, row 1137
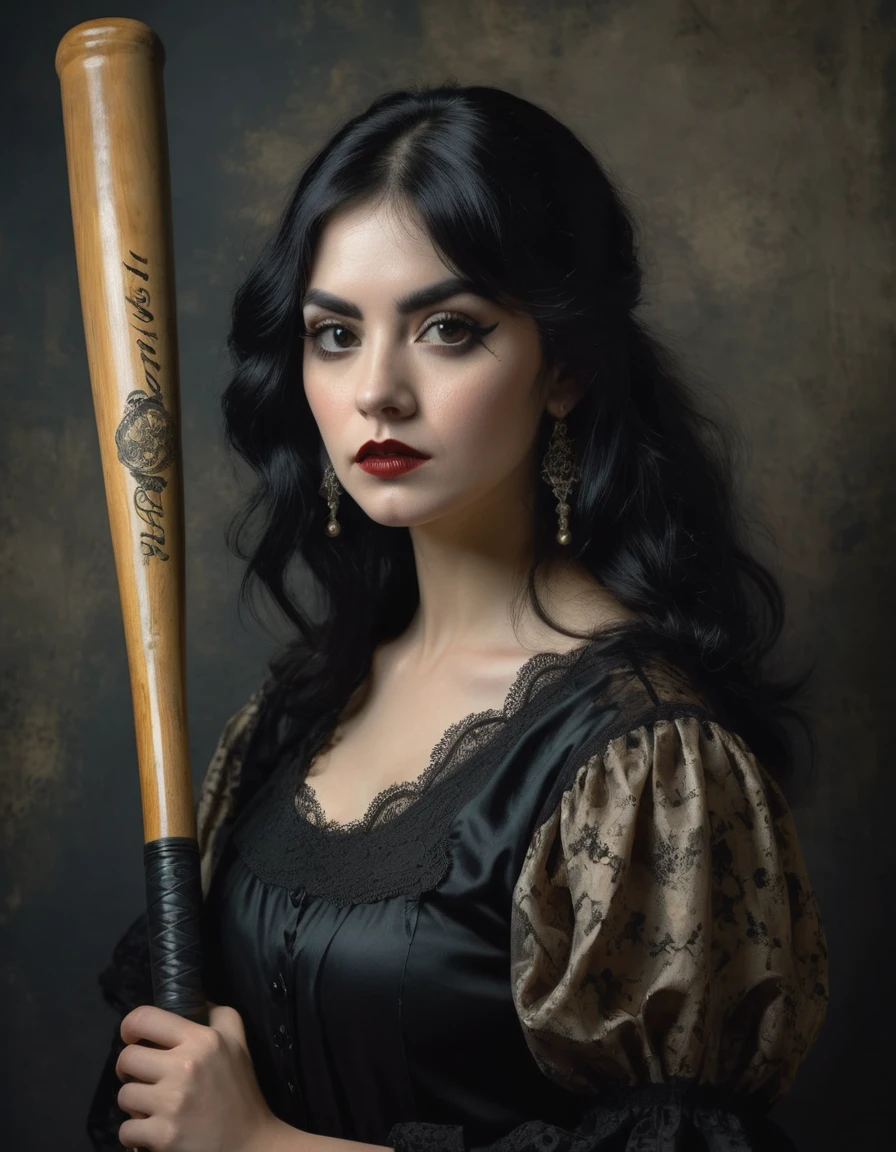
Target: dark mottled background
column 755, row 141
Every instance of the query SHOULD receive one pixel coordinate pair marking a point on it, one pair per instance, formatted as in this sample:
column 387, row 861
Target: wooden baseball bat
column 110, row 73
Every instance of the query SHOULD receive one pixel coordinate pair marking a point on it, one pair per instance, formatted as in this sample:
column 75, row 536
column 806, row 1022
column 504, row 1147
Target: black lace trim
column 456, row 746
column 418, row 1137
column 407, row 831
column 678, row 1116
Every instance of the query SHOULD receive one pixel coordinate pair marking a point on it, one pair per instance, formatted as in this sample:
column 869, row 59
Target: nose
column 383, row 388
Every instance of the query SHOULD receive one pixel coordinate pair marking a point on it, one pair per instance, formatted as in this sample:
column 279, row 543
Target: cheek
column 494, row 403
column 324, row 401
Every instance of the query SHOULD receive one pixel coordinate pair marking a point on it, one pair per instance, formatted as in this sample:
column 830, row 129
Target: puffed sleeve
column 126, row 981
column 667, row 951
column 217, row 794
column 668, row 963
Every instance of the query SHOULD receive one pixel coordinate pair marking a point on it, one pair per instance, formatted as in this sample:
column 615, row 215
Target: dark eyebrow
column 404, row 305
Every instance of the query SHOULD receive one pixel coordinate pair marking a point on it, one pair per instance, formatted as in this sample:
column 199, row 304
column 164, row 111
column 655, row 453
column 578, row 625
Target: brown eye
column 340, row 336
column 451, row 330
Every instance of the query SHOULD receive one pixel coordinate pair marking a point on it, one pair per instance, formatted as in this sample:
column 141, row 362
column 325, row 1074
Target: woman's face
column 381, row 365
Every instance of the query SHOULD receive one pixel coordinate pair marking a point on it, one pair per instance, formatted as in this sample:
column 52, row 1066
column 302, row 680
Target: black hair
column 516, row 203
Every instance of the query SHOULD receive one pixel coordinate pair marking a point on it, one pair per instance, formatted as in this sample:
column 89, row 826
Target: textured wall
column 755, row 141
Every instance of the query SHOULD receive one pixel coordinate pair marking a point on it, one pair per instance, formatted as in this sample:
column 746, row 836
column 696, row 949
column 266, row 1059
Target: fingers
column 136, row 1099
column 144, row 1133
column 147, row 1022
column 140, row 1063
column 228, row 1022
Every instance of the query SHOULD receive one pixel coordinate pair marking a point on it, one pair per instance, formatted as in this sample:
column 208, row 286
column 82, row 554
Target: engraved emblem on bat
column 145, row 435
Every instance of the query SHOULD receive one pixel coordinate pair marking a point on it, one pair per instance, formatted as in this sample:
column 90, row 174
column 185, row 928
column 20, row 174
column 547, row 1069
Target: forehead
column 374, row 244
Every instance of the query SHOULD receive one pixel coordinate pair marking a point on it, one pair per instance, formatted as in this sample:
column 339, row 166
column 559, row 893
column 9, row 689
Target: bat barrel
column 110, row 74
column 116, row 145
column 115, row 34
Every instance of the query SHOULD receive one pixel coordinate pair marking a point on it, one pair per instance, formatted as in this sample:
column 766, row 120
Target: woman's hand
column 197, row 1092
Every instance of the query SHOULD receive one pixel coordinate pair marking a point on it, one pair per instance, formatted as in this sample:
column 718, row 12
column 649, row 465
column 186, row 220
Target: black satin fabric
column 380, row 1010
column 369, row 1014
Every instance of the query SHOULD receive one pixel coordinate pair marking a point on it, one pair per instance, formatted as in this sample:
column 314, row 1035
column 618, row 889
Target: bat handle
column 173, row 911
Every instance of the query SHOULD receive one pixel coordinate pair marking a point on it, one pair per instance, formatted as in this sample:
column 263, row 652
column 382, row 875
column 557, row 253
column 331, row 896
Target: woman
column 496, row 856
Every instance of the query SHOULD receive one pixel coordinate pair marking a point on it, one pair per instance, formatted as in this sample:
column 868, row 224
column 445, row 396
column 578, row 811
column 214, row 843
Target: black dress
column 587, row 923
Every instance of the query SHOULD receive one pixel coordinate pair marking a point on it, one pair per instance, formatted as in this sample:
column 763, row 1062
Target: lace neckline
column 453, row 748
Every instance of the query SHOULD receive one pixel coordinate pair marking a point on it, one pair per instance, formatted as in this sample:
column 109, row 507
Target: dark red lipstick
column 388, row 458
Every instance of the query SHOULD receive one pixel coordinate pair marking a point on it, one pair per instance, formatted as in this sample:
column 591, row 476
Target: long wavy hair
column 515, row 202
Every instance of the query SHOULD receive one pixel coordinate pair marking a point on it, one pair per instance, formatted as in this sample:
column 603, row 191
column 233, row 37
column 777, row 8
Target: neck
column 471, row 571
column 466, row 590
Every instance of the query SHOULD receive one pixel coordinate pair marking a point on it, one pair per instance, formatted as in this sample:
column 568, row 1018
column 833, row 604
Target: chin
column 387, row 517
column 397, row 517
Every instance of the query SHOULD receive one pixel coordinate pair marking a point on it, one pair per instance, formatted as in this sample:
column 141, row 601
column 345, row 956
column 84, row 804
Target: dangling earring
column 331, row 491
column 561, row 472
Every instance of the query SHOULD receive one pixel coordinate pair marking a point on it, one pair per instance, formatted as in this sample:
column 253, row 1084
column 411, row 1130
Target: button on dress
column 586, row 924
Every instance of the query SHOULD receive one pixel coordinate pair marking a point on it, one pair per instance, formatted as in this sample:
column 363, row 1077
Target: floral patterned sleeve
column 668, row 959
column 217, row 793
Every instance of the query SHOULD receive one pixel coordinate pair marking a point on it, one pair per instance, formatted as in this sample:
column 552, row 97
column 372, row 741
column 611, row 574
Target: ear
column 564, row 392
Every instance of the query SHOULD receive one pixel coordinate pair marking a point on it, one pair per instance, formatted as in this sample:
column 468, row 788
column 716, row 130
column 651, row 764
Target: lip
column 389, row 466
column 388, row 448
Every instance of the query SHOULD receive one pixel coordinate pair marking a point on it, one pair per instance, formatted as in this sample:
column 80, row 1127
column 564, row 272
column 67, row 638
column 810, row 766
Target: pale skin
column 475, row 413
